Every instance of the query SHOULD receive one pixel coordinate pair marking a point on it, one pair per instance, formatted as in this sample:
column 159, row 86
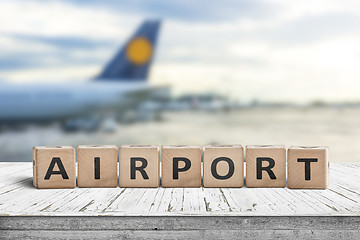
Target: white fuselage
column 38, row 102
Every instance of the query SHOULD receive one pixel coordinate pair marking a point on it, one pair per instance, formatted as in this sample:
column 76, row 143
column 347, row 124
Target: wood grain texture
column 188, row 178
column 176, row 223
column 183, row 227
column 42, row 158
column 151, row 154
column 18, row 197
column 317, row 234
column 235, row 178
column 106, row 175
column 277, row 154
column 318, row 177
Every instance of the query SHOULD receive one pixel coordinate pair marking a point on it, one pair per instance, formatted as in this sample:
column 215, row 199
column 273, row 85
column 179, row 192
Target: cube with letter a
column 265, row 166
column 54, row 167
column 308, row 167
column 181, row 166
column 139, row 166
column 97, row 165
column 223, row 166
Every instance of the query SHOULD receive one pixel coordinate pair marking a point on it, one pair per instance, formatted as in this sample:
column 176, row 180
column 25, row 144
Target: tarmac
column 339, row 129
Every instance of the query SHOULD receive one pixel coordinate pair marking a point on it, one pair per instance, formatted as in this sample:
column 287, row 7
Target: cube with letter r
column 54, row 167
column 139, row 166
column 181, row 166
column 265, row 166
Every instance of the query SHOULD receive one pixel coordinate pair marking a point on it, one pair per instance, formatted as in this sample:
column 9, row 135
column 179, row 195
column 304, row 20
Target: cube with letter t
column 54, row 167
column 265, row 166
column 308, row 167
column 181, row 166
column 97, row 166
column 139, row 166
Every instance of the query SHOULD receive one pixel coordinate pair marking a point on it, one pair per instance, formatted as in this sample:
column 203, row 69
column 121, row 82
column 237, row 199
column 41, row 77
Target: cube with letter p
column 181, row 166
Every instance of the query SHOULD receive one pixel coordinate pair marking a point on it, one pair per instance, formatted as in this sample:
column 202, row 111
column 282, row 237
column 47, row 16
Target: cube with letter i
column 223, row 166
column 97, row 166
column 308, row 167
column 181, row 166
column 139, row 166
column 265, row 166
column 54, row 167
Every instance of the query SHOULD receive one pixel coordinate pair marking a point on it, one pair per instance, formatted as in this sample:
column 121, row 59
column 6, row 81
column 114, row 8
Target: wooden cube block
column 139, row 166
column 265, row 166
column 223, row 166
column 181, row 166
column 97, row 166
column 54, row 167
column 308, row 167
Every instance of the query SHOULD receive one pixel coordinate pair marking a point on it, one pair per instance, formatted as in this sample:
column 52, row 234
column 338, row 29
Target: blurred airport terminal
column 180, row 72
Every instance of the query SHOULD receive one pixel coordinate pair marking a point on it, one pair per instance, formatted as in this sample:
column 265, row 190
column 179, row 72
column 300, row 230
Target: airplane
column 121, row 84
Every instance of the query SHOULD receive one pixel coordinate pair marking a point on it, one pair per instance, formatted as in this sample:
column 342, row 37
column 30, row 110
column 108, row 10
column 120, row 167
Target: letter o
column 231, row 168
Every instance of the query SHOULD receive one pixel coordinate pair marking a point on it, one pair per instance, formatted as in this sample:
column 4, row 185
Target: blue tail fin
column 132, row 62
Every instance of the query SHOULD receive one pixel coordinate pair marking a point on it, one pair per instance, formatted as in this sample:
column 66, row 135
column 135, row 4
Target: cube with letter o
column 223, row 166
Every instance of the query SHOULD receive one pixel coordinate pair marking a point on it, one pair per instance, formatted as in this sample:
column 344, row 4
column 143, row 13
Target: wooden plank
column 82, row 223
column 215, row 201
column 171, row 200
column 188, row 234
column 18, row 197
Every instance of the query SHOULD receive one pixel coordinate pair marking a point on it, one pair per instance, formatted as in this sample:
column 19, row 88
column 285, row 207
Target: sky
column 282, row 50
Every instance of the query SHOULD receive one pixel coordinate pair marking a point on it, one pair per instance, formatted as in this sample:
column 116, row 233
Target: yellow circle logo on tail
column 139, row 51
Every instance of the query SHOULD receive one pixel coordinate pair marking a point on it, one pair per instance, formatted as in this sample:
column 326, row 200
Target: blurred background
column 179, row 72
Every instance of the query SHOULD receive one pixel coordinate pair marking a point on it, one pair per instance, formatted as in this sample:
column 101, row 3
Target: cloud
column 23, row 46
column 273, row 50
column 56, row 18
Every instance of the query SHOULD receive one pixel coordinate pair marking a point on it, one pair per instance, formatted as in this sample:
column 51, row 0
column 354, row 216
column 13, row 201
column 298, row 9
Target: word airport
column 181, row 166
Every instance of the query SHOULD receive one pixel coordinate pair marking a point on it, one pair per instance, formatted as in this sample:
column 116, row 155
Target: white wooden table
column 179, row 212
